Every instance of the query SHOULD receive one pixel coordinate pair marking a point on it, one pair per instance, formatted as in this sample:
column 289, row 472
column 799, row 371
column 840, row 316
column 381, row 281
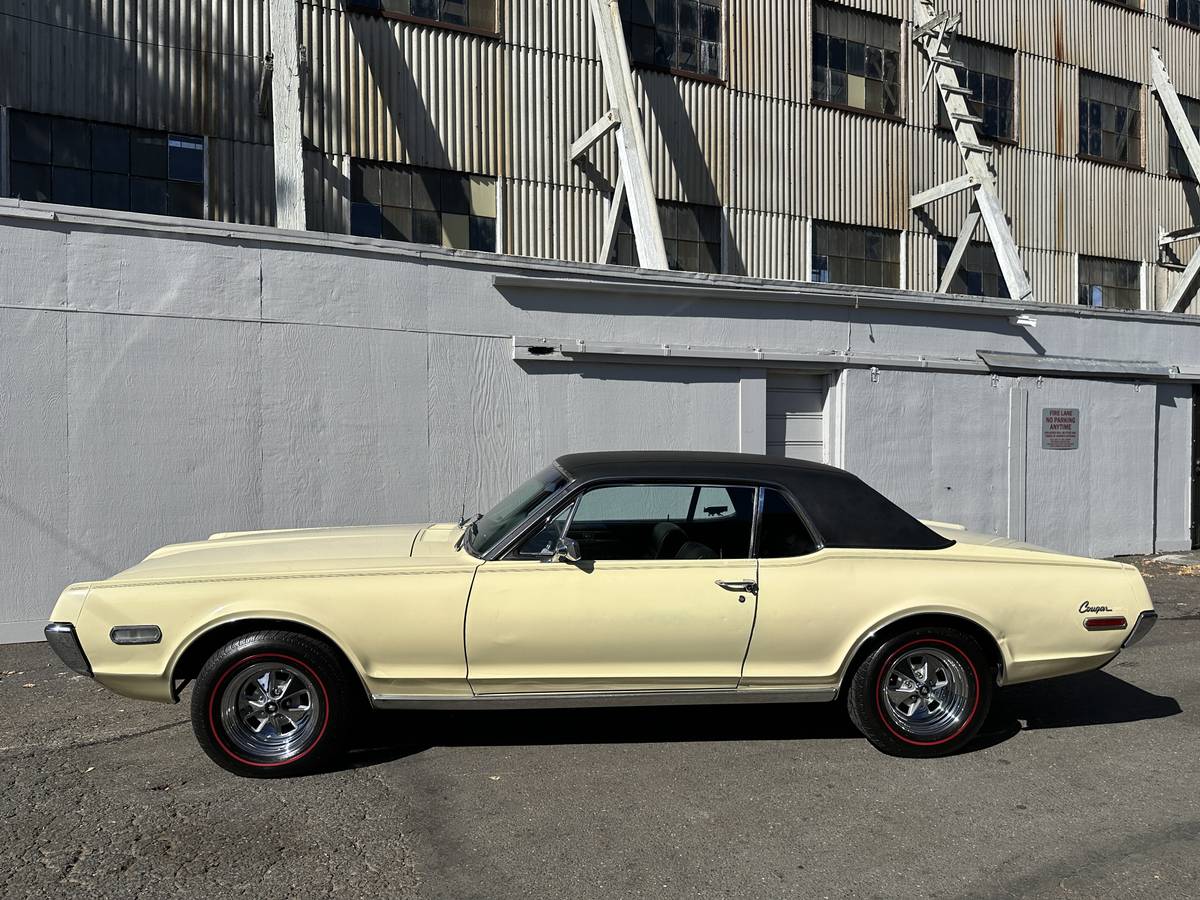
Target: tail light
column 1106, row 623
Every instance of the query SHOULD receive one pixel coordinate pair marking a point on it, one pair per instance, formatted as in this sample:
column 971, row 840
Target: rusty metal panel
column 766, row 48
column 551, row 221
column 765, row 245
column 550, row 100
column 240, row 182
column 687, row 136
column 181, row 65
column 867, row 181
column 766, row 168
column 562, row 27
column 326, row 192
column 389, row 90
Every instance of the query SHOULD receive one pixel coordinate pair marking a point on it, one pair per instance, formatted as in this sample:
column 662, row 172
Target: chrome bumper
column 1141, row 628
column 62, row 640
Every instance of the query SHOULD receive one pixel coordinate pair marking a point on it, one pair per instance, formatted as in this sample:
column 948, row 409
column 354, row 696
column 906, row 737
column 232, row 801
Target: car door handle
column 740, row 587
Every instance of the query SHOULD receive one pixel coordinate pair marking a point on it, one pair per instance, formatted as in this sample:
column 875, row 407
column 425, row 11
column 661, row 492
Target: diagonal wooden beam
column 1003, row 244
column 945, row 189
column 631, row 142
column 612, row 218
column 597, row 130
column 1182, row 295
column 960, row 247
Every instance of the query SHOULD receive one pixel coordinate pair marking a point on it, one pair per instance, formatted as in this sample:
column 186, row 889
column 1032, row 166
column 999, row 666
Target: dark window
column 81, row 163
column 477, row 14
column 1177, row 161
column 1186, row 12
column 781, row 530
column 424, row 206
column 1112, row 283
column 1110, row 113
column 691, row 235
column 846, row 254
column 978, row 273
column 989, row 73
column 663, row 521
column 856, row 60
column 677, row 35
column 1128, row 4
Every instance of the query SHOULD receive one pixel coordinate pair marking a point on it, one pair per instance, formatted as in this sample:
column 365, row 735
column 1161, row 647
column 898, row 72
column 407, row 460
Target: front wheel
column 271, row 704
column 922, row 693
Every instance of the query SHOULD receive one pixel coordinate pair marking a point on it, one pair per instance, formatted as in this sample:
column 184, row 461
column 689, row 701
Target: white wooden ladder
column 934, row 35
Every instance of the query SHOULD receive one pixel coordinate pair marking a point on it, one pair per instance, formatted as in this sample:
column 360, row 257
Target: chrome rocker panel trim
column 569, row 700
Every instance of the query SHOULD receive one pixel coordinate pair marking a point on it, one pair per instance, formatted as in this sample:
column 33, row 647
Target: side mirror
column 567, row 550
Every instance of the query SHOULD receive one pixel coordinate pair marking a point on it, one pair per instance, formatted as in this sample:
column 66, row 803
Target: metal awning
column 1076, row 366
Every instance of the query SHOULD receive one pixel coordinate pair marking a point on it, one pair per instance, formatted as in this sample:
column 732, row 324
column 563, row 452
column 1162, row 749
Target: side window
column 782, row 532
column 664, row 521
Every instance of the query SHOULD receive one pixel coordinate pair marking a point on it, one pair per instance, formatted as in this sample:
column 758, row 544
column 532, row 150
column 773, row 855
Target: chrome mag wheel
column 926, row 692
column 270, row 710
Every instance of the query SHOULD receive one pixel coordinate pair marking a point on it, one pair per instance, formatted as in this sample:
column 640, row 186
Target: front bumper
column 1145, row 621
column 63, row 641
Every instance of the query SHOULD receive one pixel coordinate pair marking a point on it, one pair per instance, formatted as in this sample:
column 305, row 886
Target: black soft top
column 845, row 510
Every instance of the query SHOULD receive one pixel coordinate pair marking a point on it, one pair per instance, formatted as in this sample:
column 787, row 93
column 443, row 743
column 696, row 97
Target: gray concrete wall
column 162, row 380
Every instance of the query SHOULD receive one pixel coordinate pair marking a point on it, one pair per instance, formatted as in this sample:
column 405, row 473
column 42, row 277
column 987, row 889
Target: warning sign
column 1060, row 429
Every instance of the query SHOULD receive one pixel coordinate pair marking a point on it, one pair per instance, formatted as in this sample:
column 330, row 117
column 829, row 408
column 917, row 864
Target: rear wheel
column 922, row 693
column 271, row 704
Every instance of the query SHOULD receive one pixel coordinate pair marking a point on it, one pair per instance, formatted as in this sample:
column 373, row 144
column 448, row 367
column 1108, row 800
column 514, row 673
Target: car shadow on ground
column 1093, row 698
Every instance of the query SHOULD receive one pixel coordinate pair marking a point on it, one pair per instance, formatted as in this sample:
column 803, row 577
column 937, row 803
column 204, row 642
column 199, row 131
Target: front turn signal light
column 136, row 634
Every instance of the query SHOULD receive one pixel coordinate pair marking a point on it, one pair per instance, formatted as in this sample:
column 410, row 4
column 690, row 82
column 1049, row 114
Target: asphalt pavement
column 1087, row 786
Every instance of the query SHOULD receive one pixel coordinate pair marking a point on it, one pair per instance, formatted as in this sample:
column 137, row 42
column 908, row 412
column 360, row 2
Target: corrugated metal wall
column 510, row 106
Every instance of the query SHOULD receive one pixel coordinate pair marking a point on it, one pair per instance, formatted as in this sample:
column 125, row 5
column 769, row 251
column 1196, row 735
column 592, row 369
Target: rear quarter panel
column 402, row 630
column 814, row 611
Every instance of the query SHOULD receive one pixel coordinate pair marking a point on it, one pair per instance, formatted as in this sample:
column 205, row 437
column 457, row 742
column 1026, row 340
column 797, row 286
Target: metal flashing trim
column 562, row 350
column 998, row 361
column 545, row 349
column 787, row 292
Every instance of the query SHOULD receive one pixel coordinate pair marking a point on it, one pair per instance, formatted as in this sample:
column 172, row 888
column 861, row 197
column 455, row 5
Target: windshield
column 513, row 509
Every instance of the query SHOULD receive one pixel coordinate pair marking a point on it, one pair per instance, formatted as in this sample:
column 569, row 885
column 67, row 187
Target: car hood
column 300, row 550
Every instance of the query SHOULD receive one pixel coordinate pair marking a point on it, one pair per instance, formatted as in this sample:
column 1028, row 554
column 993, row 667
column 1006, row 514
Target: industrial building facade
column 173, row 364
column 784, row 139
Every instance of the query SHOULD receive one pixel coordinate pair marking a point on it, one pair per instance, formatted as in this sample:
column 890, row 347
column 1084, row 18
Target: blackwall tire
column 922, row 693
column 273, row 704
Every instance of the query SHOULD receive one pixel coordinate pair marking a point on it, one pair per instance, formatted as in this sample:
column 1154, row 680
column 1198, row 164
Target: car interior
column 656, row 521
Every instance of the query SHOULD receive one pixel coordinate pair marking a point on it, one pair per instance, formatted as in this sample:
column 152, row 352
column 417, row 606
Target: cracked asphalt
column 1084, row 787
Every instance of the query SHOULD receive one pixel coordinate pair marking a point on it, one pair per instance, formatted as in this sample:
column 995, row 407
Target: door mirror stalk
column 566, row 550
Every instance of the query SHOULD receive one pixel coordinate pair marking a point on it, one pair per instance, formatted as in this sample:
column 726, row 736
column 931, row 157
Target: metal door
column 796, row 416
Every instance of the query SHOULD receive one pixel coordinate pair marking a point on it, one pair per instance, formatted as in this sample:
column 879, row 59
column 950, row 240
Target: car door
column 809, row 602
column 662, row 597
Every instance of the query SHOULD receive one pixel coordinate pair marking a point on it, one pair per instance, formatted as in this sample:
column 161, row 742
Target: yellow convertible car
column 607, row 578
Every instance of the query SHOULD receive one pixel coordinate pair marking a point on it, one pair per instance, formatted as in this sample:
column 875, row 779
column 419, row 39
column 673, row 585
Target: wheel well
column 192, row 660
column 926, row 620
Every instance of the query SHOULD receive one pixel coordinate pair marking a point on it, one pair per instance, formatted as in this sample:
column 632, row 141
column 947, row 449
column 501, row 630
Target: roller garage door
column 796, row 416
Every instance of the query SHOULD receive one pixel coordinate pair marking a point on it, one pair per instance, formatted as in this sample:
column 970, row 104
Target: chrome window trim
column 573, row 488
column 576, row 489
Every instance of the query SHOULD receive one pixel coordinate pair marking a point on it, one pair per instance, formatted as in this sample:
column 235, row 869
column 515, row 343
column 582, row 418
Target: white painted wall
column 162, row 380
